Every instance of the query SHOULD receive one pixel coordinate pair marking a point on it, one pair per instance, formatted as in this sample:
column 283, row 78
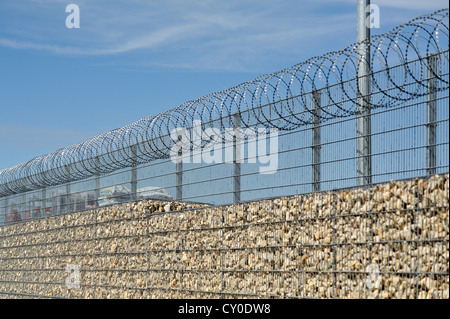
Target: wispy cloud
column 39, row 137
column 428, row 5
column 194, row 34
column 231, row 30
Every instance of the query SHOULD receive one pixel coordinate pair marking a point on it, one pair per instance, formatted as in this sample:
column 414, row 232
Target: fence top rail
column 279, row 100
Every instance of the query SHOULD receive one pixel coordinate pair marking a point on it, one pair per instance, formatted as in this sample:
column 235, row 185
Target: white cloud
column 42, row 47
column 201, row 34
column 426, row 6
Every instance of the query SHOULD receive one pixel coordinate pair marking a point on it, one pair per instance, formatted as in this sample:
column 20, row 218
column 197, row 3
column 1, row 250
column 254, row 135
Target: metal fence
column 308, row 128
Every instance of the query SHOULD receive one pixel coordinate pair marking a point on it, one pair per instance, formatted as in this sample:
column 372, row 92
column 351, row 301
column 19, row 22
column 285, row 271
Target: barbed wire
column 281, row 100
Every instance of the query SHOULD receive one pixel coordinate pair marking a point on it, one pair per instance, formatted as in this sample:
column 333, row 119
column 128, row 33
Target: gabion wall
column 387, row 241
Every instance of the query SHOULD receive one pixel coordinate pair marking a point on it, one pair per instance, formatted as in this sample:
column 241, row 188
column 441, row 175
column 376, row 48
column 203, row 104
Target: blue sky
column 133, row 58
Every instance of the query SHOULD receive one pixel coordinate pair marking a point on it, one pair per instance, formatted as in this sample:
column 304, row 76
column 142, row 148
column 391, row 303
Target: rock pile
column 387, row 241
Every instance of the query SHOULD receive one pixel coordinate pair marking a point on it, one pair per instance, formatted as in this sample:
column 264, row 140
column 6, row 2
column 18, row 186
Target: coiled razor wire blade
column 280, row 100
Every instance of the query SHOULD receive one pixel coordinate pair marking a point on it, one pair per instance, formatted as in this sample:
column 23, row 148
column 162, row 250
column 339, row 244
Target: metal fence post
column 334, row 242
column 67, row 209
column 237, row 159
column 6, row 208
column 363, row 120
column 222, row 256
column 44, row 202
column 316, row 140
column 179, row 171
column 179, row 180
column 97, row 181
column 432, row 63
column 23, row 206
column 134, row 173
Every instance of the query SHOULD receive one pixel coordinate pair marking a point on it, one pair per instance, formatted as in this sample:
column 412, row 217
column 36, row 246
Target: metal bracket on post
column 363, row 120
column 237, row 159
column 432, row 62
column 316, row 140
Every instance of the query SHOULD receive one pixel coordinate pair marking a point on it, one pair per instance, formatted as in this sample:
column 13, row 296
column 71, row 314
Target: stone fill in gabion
column 387, row 241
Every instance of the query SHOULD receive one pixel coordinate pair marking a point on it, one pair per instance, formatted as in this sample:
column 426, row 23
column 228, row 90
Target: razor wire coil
column 281, row 100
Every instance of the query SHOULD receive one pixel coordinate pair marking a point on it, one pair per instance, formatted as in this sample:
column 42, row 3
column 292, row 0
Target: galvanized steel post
column 134, row 173
column 97, row 181
column 67, row 207
column 179, row 175
column 363, row 121
column 316, row 137
column 431, row 114
column 237, row 158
